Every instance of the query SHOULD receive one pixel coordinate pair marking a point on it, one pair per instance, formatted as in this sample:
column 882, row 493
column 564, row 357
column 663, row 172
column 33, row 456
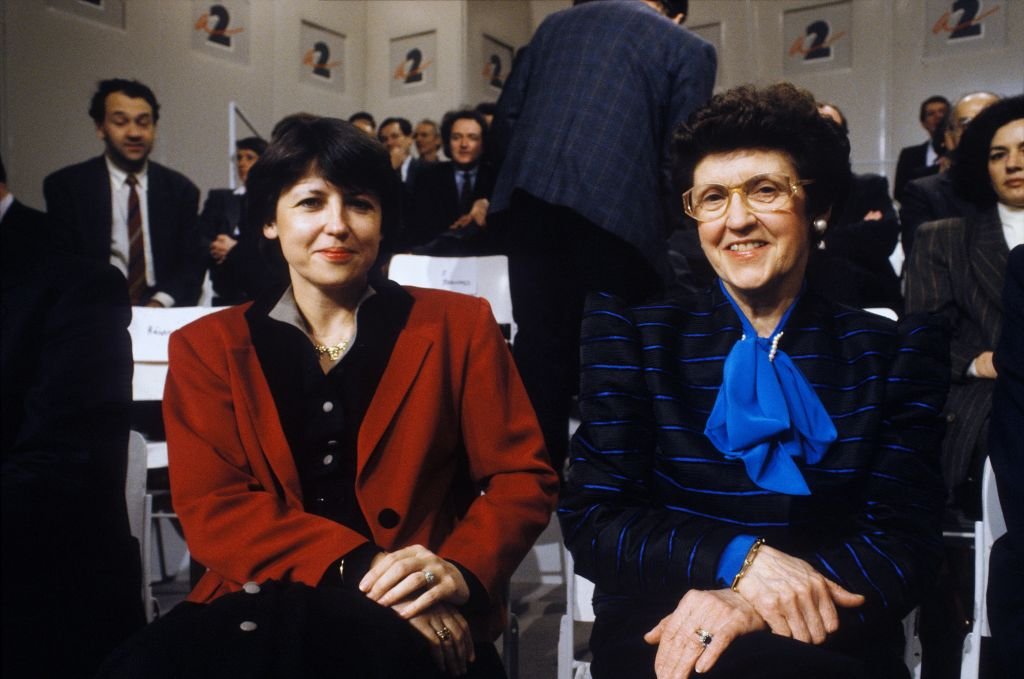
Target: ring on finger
column 705, row 636
column 429, row 577
column 444, row 634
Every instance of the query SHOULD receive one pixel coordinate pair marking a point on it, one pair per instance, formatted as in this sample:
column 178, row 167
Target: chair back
column 485, row 277
column 150, row 329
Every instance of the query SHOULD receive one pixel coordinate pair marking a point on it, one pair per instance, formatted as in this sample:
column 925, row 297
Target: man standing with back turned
column 123, row 209
column 585, row 119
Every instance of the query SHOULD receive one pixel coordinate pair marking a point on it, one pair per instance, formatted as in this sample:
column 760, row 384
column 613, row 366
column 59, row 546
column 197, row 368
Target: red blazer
column 450, row 455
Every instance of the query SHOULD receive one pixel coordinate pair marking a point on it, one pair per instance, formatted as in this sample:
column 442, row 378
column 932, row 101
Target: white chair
column 485, row 277
column 991, row 527
column 579, row 607
column 140, row 507
column 150, row 330
column 884, row 311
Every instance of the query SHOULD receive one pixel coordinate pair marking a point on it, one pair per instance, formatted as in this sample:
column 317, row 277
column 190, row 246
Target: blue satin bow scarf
column 767, row 413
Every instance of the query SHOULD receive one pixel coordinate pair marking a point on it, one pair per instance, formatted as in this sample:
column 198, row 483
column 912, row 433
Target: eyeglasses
column 761, row 193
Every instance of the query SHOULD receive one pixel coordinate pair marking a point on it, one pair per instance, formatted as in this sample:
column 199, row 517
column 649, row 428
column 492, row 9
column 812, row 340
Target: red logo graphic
column 943, row 25
column 798, row 49
column 414, row 74
column 203, row 24
column 310, row 59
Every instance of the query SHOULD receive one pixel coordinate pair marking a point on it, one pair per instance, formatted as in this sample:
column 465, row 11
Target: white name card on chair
column 150, row 329
column 458, row 274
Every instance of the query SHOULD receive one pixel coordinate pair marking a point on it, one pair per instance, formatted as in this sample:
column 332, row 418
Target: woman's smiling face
column 329, row 236
column 760, row 256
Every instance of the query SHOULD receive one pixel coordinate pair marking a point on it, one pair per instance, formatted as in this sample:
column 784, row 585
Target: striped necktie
column 136, row 246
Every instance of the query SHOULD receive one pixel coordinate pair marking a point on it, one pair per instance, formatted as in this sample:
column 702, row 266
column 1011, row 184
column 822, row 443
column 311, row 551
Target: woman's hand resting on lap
column 398, row 580
column 794, row 599
column 453, row 654
column 721, row 612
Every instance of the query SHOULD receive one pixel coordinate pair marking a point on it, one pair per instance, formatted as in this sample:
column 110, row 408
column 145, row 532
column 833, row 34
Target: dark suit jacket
column 910, row 166
column 78, row 201
column 71, row 573
column 588, row 110
column 957, row 270
column 23, row 218
column 224, row 214
column 929, row 199
column 450, row 418
column 650, row 504
column 854, row 267
column 1006, row 443
column 436, row 201
column 1006, row 561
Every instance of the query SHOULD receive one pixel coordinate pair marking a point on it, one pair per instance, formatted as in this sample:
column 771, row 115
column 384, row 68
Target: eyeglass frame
column 794, row 186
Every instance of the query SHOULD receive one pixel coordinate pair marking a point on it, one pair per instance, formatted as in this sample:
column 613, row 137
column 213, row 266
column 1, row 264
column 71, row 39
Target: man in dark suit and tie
column 123, row 209
column 451, row 198
column 922, row 160
column 584, row 122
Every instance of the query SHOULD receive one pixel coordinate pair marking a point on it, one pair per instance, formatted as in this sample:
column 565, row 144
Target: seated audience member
column 428, row 141
column 956, row 270
column 124, row 209
column 753, row 487
column 361, row 493
column 451, row 200
column 1006, row 560
column 222, row 223
column 923, row 160
column 72, row 581
column 396, row 135
column 935, row 197
column 851, row 264
column 365, row 122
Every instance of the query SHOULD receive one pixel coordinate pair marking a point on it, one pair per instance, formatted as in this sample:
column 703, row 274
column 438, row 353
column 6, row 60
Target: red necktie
column 136, row 246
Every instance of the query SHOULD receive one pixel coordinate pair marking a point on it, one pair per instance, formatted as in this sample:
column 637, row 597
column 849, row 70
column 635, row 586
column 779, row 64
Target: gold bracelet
column 746, row 562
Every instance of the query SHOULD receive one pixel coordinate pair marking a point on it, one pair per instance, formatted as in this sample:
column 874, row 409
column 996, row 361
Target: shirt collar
column 287, row 310
column 5, row 204
column 119, row 176
column 1012, row 219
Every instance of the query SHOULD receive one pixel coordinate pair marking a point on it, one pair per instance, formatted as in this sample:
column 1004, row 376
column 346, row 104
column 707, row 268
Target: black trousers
column 556, row 257
column 620, row 651
column 285, row 630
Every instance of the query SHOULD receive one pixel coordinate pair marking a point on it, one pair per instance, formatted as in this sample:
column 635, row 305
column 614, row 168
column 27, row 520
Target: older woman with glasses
column 754, row 487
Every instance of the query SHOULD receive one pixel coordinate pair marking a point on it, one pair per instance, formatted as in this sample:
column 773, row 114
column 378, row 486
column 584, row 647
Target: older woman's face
column 760, row 256
column 1006, row 163
column 329, row 236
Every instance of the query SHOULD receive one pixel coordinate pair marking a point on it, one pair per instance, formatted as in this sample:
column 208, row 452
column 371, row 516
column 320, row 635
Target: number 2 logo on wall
column 318, row 59
column 969, row 23
column 410, row 71
column 214, row 23
column 817, row 41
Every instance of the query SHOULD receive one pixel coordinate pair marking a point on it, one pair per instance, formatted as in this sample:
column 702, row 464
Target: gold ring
column 704, row 636
column 444, row 634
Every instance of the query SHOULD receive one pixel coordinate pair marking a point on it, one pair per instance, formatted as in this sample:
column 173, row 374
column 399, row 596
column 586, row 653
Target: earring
column 819, row 226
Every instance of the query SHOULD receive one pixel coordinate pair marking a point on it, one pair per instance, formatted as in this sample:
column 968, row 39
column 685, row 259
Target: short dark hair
column 404, row 125
column 970, row 159
column 363, row 115
column 3, row 171
column 779, row 117
column 934, row 99
column 488, row 108
column 289, row 120
column 464, row 114
column 130, row 88
column 255, row 144
column 337, row 151
column 843, row 125
column 669, row 7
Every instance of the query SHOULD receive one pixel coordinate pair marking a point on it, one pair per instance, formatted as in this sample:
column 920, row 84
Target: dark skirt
column 620, row 651
column 284, row 630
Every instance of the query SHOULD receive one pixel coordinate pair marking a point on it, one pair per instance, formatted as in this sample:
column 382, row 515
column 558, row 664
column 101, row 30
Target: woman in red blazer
column 357, row 464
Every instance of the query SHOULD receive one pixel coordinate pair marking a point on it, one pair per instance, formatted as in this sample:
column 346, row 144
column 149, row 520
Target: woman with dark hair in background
column 356, row 463
column 753, row 488
column 957, row 269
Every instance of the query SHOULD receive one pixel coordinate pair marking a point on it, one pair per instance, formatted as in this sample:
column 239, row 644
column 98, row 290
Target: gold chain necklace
column 334, row 352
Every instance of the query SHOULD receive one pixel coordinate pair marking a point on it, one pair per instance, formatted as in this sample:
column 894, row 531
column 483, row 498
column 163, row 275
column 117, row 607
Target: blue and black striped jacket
column 650, row 504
